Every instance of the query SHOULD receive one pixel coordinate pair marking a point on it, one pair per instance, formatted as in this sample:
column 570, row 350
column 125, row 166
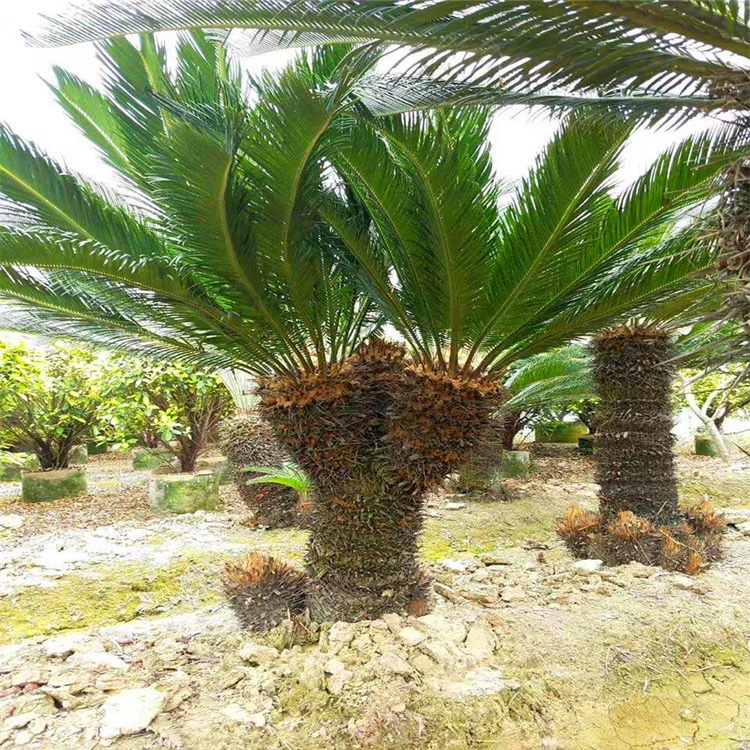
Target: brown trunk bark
column 374, row 435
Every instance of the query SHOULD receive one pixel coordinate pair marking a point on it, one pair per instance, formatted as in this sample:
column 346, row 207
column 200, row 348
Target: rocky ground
column 114, row 632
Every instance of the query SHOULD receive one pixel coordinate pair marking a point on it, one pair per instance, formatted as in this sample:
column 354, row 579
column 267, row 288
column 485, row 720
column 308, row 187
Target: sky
column 27, row 105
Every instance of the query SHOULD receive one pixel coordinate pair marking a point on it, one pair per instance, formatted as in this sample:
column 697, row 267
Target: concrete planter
column 184, row 493
column 515, row 464
column 557, row 432
column 78, row 455
column 218, row 465
column 147, row 459
column 43, row 486
column 587, row 445
column 704, row 446
column 12, row 465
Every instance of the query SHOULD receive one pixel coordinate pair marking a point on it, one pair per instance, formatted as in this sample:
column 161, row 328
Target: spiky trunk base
column 264, row 592
column 374, row 435
column 638, row 515
column 248, row 441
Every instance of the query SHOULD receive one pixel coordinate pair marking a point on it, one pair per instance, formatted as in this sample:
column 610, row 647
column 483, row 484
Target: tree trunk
column 511, row 427
column 635, row 469
column 374, row 435
column 708, row 422
column 638, row 518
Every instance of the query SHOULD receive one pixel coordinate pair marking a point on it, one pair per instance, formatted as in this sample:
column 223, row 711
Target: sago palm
column 666, row 60
column 274, row 233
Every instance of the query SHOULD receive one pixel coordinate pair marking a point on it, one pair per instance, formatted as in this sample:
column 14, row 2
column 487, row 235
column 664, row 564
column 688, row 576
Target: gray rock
column 442, row 628
column 480, row 682
column 457, row 566
column 12, row 521
column 513, row 594
column 97, row 659
column 392, row 662
column 312, row 675
column 340, row 635
column 337, row 681
column 480, row 640
column 587, row 567
column 25, row 676
column 256, row 654
column 130, row 711
column 23, row 738
column 237, row 713
column 491, row 558
column 63, row 645
column 410, row 636
column 334, row 666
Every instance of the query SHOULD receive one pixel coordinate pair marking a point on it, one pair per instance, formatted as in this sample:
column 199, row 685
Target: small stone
column 494, row 559
column 479, row 682
column 392, row 662
column 446, row 592
column 256, row 654
column 37, row 726
column 23, row 738
column 442, row 628
column 12, row 521
column 587, row 566
column 688, row 715
column 312, row 675
column 18, row 721
column 393, row 621
column 744, row 528
column 481, row 594
column 131, row 711
column 63, row 645
column 25, row 676
column 341, row 634
column 177, row 697
column 425, row 666
column 512, row 594
column 337, row 681
column 98, row 659
column 455, row 506
column 334, row 666
column 456, row 566
column 237, row 713
column 410, row 636
column 480, row 640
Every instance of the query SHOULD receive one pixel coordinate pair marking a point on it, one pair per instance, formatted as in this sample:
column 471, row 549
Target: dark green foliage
column 50, row 399
column 172, row 409
column 247, row 440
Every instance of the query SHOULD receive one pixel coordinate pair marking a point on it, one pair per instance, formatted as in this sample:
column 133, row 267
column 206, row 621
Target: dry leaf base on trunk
column 638, row 516
column 374, row 434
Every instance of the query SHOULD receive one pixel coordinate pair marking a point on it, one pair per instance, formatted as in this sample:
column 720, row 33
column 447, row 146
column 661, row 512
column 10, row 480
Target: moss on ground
column 483, row 527
column 111, row 594
column 722, row 491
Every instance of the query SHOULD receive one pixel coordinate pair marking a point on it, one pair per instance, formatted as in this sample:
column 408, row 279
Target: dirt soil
column 108, row 610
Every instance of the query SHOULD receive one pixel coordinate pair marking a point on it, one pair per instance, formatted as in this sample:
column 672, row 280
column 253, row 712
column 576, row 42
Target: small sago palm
column 275, row 234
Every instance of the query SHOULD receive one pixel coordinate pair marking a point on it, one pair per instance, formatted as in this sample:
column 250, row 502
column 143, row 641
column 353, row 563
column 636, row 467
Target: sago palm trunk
column 635, row 469
column 639, row 518
column 374, row 435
